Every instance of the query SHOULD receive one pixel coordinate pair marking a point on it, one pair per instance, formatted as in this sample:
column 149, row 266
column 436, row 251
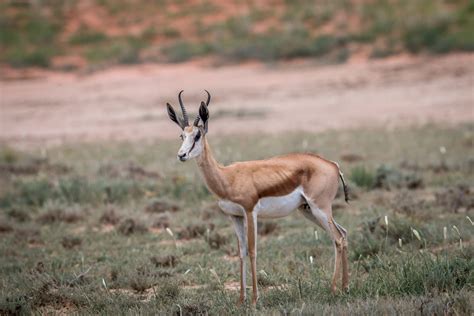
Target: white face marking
column 192, row 145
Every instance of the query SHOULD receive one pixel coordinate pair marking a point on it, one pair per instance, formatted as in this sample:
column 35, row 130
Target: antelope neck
column 211, row 170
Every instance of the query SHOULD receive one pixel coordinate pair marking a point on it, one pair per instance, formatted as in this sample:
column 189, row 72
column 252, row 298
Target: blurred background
column 103, row 69
column 97, row 216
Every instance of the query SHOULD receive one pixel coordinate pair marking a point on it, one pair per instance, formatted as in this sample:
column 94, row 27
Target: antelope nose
column 182, row 157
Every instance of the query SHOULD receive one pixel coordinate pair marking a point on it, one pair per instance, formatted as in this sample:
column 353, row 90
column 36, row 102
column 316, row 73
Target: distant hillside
column 67, row 35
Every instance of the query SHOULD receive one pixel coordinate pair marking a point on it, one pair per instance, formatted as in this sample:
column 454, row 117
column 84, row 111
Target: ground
column 128, row 103
column 98, row 217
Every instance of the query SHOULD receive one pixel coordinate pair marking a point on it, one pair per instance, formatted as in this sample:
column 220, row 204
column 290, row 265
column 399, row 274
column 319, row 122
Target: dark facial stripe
column 192, row 147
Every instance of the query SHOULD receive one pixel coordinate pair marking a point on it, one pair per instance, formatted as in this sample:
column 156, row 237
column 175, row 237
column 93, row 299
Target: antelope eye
column 181, row 136
column 198, row 135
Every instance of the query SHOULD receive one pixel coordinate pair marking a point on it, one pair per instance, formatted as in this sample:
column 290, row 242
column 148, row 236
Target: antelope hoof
column 345, row 288
column 254, row 301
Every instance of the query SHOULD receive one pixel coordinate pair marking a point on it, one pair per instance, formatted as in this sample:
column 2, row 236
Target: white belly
column 268, row 207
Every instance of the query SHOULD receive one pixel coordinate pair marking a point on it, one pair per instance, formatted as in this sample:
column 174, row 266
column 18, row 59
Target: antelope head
column 192, row 135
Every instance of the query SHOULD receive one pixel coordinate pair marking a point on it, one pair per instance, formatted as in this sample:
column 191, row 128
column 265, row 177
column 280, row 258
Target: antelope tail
column 344, row 186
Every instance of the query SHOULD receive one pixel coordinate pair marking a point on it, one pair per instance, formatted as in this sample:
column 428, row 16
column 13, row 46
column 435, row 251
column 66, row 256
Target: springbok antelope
column 270, row 188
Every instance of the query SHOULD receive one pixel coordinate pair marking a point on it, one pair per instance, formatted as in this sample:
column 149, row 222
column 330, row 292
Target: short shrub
column 362, row 177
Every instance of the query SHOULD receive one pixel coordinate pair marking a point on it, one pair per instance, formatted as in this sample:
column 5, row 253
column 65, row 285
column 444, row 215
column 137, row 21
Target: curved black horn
column 196, row 121
column 208, row 97
column 183, row 109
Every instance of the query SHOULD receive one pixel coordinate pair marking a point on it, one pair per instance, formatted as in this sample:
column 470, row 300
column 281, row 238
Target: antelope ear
column 204, row 115
column 172, row 115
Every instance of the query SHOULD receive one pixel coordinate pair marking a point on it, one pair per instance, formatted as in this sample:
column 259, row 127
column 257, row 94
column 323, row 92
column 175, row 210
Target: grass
column 86, row 36
column 362, row 177
column 83, row 229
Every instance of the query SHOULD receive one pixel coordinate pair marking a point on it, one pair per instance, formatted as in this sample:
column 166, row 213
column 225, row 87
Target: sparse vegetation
column 362, row 177
column 33, row 33
column 93, row 239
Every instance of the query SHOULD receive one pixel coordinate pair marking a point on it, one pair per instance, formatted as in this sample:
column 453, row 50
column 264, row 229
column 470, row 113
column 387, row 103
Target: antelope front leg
column 252, row 246
column 239, row 226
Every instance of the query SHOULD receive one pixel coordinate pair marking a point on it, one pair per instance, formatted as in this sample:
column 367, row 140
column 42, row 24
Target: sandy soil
column 128, row 103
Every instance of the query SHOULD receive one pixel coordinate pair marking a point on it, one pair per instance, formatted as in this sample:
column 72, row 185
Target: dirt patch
column 195, row 230
column 161, row 206
column 126, row 103
column 457, row 199
column 131, row 226
column 216, row 240
column 164, row 261
column 109, row 217
column 59, row 215
column 161, row 222
column 70, row 242
column 5, row 227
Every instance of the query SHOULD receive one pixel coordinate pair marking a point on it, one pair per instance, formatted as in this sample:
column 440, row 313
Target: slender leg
column 252, row 246
column 324, row 219
column 337, row 263
column 345, row 263
column 239, row 227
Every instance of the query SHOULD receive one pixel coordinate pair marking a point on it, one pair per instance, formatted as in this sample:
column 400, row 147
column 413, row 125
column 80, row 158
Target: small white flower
column 187, row 271
column 400, row 242
column 104, row 284
column 416, row 233
column 311, row 259
column 386, row 220
column 316, row 235
column 457, row 230
column 472, row 223
column 442, row 150
column 445, row 232
column 168, row 230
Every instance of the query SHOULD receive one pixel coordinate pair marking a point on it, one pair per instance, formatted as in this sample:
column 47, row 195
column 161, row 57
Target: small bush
column 5, row 227
column 30, row 193
column 109, row 217
column 70, row 242
column 425, row 35
column 170, row 32
column 194, row 231
column 455, row 198
column 120, row 50
column 161, row 206
column 87, row 36
column 168, row 291
column 362, row 177
column 161, row 222
column 180, row 51
column 164, row 261
column 408, row 203
column 9, row 155
column 387, row 177
column 216, row 240
column 55, row 215
column 130, row 226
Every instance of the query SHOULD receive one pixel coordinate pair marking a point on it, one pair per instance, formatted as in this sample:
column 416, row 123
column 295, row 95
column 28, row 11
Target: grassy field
column 125, row 228
column 106, row 32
